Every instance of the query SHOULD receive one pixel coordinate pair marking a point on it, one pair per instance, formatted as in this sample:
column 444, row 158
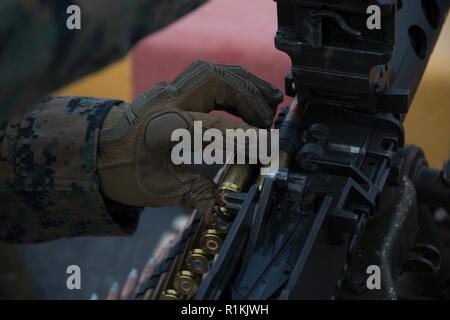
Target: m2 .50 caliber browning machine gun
column 349, row 198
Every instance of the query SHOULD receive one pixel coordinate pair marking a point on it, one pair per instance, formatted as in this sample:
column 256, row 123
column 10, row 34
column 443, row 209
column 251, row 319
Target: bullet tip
column 133, row 273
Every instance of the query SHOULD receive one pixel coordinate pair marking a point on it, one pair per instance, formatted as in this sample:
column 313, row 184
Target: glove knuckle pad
column 159, row 129
column 152, row 97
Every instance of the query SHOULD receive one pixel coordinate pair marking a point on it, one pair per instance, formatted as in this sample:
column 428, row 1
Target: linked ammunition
column 170, row 295
column 211, row 241
column 198, row 261
column 186, row 283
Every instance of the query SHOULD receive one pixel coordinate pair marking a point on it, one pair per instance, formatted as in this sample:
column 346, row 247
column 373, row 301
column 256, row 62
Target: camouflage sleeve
column 39, row 54
column 48, row 183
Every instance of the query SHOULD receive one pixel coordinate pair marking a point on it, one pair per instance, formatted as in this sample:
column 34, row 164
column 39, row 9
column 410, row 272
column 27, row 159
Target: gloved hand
column 134, row 160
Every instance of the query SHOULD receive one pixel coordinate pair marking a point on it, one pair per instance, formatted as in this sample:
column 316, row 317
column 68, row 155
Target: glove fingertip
column 275, row 99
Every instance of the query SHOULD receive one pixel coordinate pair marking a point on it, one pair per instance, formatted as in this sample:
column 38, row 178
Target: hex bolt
column 317, row 133
column 307, row 153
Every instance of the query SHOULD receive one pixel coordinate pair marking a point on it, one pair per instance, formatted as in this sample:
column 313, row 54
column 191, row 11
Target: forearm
column 48, row 179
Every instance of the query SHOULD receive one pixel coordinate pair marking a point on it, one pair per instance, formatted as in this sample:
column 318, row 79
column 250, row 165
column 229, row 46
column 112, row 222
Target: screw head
column 307, row 154
column 317, row 133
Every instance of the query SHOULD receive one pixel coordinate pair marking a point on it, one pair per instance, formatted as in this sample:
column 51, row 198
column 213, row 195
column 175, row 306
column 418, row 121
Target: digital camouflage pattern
column 48, row 181
column 49, row 186
column 39, row 54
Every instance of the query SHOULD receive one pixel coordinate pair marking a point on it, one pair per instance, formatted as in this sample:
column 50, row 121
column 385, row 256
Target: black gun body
column 348, row 191
column 419, row 25
column 307, row 223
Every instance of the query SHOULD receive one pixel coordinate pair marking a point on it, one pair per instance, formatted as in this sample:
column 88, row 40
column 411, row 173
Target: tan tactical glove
column 135, row 145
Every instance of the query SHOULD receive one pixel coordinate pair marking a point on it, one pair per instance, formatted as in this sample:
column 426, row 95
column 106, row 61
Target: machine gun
column 348, row 195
